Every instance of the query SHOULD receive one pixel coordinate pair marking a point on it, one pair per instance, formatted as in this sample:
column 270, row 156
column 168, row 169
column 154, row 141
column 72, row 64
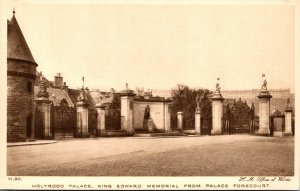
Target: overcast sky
column 159, row 46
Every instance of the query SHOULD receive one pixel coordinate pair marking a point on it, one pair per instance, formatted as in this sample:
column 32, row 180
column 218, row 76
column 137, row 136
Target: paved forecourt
column 234, row 155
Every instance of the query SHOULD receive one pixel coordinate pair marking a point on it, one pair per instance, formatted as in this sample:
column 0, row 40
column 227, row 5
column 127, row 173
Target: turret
column 21, row 75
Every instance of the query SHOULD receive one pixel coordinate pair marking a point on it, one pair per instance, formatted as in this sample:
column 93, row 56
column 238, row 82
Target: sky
column 157, row 46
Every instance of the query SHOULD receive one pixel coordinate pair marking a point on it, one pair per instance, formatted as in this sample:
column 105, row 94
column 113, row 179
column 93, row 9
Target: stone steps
column 141, row 131
column 160, row 134
column 116, row 133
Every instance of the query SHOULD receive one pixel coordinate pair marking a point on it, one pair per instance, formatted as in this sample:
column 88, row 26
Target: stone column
column 288, row 119
column 198, row 121
column 101, row 120
column 264, row 112
column 43, row 105
column 167, row 117
column 126, row 110
column 179, row 121
column 217, row 113
column 82, row 115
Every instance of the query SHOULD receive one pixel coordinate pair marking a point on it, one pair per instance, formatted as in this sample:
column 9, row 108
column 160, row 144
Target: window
column 29, row 87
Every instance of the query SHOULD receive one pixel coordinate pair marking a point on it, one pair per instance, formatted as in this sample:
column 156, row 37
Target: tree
column 184, row 99
column 113, row 113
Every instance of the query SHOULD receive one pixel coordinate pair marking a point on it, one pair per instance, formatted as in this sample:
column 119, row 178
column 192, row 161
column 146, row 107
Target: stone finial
column 82, row 82
column 82, row 96
column 288, row 106
column 127, row 92
column 273, row 110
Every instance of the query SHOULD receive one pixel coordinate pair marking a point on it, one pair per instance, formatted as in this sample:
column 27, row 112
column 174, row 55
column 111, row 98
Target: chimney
column 58, row 81
column 66, row 88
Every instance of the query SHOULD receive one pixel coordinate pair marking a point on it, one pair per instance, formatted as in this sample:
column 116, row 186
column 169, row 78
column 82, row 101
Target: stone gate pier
column 264, row 109
column 127, row 110
column 43, row 108
column 288, row 119
column 217, row 111
column 82, row 115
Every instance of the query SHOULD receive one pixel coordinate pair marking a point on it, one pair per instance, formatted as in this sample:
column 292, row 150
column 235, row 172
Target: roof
column 56, row 95
column 102, row 97
column 17, row 47
column 38, row 80
column 73, row 94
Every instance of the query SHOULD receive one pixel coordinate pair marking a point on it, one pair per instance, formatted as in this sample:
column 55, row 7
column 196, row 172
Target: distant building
column 250, row 94
column 278, row 101
column 162, row 93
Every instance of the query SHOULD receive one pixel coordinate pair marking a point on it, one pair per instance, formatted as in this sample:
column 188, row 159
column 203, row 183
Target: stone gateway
column 41, row 109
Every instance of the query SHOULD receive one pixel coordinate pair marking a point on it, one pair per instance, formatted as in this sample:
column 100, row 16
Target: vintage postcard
column 181, row 95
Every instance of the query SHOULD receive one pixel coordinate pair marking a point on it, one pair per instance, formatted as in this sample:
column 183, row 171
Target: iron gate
column 63, row 121
column 206, row 117
column 188, row 122
column 277, row 120
column 240, row 118
column 92, row 121
column 39, row 125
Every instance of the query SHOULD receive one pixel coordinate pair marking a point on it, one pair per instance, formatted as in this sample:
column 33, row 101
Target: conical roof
column 17, row 47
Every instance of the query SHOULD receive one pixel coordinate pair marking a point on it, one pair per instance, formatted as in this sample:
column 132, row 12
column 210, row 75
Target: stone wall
column 157, row 113
column 19, row 105
column 20, row 66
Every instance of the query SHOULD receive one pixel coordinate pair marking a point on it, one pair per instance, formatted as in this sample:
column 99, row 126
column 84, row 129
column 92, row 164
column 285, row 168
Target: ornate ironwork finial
column 126, row 86
column 14, row 11
column 264, row 82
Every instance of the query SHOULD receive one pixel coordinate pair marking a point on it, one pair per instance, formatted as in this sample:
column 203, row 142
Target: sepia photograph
column 149, row 95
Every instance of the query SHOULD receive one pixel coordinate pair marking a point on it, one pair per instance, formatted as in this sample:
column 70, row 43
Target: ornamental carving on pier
column 43, row 89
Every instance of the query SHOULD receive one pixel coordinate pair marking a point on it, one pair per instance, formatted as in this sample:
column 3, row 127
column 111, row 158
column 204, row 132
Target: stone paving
column 35, row 142
column 76, row 153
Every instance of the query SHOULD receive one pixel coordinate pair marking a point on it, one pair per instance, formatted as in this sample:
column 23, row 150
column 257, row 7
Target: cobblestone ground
column 227, row 155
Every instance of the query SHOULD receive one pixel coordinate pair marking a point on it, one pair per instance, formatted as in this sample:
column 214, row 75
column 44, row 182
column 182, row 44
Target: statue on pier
column 264, row 82
column 218, row 87
column 43, row 88
column 198, row 100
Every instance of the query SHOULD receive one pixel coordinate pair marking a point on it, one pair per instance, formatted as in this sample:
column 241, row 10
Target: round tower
column 21, row 75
